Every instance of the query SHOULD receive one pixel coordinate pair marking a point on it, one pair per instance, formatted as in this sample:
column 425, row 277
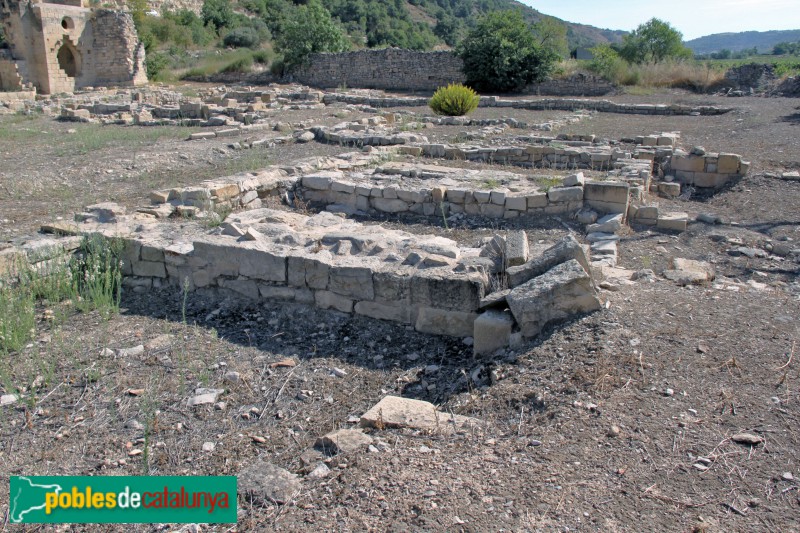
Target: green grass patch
column 93, row 137
column 20, row 127
column 547, row 182
column 90, row 280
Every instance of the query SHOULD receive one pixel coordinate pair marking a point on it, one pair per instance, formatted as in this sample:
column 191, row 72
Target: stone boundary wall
column 409, row 70
column 546, row 104
column 387, row 68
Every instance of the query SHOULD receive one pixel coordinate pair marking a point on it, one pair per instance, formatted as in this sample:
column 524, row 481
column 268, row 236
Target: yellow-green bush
column 455, row 100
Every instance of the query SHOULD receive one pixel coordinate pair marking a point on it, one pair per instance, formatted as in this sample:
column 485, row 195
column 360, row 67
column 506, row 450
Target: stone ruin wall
column 409, row 70
column 388, row 68
column 62, row 46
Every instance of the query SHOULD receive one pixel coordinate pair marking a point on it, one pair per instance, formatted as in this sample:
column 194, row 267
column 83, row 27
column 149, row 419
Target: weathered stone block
column 492, row 210
column 669, row 189
column 517, row 249
column 444, row 322
column 497, row 197
column 272, row 292
column 537, row 200
column 351, row 281
column 561, row 292
column 673, row 221
column 246, row 287
column 688, row 163
column 329, row 300
column 396, row 412
column 389, row 205
column 728, row 164
column 448, row 290
column 565, row 194
column 393, row 311
column 491, row 331
column 518, row 203
column 149, row 269
column 564, row 250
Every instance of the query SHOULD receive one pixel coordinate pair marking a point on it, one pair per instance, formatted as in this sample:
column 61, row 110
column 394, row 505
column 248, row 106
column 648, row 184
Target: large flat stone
column 689, row 271
column 561, row 292
column 397, row 412
column 343, row 441
column 267, row 483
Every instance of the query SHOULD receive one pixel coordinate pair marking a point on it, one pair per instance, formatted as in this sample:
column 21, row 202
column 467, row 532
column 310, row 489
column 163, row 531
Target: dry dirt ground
column 597, row 425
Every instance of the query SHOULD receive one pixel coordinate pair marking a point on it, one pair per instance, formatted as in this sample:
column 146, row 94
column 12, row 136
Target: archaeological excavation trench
column 290, row 235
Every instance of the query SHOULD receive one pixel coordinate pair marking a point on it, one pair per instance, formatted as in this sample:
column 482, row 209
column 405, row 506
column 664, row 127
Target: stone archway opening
column 67, row 60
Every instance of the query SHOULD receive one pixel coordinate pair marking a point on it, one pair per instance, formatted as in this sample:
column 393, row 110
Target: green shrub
column 262, row 57
column 455, row 100
column 243, row 37
column 17, row 318
column 156, row 63
column 242, row 64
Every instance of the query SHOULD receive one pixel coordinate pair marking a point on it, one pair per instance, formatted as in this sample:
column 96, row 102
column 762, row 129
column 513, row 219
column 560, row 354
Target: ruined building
column 60, row 46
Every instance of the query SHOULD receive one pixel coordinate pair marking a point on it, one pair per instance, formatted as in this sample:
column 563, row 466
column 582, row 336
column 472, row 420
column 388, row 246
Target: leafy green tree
column 309, row 29
column 786, row 49
column 552, row 34
column 138, row 10
column 654, row 41
column 607, row 63
column 447, row 28
column 503, row 54
column 217, row 13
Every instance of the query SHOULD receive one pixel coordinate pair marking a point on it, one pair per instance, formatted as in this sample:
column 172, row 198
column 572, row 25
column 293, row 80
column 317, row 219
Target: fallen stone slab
column 608, row 224
column 673, row 221
column 689, row 271
column 343, row 441
column 564, row 250
column 791, row 176
column 561, row 292
column 204, row 396
column 267, row 483
column 601, row 236
column 397, row 412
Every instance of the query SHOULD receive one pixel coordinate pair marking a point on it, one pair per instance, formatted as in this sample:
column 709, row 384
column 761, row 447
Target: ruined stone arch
column 69, row 60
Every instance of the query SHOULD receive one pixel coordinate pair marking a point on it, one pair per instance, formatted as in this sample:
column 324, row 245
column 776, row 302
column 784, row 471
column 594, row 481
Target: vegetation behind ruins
column 256, row 35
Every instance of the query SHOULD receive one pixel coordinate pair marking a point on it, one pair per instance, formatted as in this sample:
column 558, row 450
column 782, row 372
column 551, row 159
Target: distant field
column 784, row 65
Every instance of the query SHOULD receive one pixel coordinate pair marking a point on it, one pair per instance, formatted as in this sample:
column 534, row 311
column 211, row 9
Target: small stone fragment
column 747, row 438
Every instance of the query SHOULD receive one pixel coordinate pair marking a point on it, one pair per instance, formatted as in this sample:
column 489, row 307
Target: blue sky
column 693, row 18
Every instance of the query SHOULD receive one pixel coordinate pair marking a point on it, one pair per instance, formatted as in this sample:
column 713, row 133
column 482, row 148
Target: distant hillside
column 421, row 24
column 763, row 40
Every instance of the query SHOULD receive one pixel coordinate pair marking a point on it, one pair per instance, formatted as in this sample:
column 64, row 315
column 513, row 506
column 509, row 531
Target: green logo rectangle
column 122, row 499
